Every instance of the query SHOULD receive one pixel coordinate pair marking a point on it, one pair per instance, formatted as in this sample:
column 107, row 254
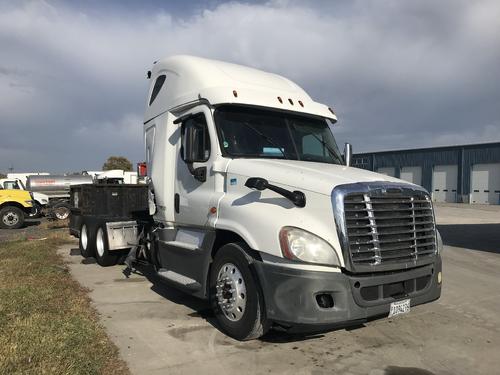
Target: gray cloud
column 399, row 74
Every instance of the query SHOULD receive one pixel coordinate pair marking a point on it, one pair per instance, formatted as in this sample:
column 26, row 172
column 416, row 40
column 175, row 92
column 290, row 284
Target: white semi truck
column 251, row 206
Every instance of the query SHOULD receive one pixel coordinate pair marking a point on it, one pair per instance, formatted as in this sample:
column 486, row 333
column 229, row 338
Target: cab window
column 11, row 185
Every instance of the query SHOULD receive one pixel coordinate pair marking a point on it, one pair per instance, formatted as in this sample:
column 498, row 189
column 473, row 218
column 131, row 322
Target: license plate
column 400, row 307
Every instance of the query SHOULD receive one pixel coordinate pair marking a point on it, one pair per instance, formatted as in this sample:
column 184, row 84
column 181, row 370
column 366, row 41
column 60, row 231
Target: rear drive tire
column 11, row 217
column 86, row 242
column 104, row 257
column 235, row 295
column 61, row 211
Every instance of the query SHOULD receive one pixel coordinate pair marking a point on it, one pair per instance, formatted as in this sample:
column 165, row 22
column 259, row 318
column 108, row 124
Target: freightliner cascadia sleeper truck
column 250, row 205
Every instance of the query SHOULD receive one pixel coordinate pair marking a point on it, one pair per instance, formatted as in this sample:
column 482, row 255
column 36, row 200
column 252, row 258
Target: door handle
column 177, row 199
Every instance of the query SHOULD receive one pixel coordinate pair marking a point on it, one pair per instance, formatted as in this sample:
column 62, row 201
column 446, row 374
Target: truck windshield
column 262, row 133
column 12, row 185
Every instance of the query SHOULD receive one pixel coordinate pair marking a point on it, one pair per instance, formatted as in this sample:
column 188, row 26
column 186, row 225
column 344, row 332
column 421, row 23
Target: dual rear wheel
column 94, row 243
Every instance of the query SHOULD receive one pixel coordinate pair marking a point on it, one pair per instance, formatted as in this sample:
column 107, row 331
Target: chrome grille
column 388, row 226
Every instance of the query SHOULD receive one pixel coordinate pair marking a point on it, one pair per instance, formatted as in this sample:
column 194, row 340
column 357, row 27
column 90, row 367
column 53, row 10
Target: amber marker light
column 235, row 93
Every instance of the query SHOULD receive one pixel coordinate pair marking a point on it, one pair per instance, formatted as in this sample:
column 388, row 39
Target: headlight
column 439, row 242
column 298, row 244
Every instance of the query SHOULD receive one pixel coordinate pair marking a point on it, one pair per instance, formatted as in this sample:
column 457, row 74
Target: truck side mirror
column 189, row 153
column 347, row 154
column 193, row 143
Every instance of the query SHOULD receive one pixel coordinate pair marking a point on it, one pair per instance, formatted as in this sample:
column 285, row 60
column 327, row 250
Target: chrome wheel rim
column 231, row 292
column 61, row 213
column 10, row 218
column 84, row 237
column 99, row 242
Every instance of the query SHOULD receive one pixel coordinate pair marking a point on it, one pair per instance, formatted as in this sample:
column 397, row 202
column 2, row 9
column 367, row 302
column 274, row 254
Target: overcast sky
column 400, row 74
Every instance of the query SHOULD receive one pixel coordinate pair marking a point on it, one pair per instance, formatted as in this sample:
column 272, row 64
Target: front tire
column 103, row 256
column 235, row 295
column 11, row 217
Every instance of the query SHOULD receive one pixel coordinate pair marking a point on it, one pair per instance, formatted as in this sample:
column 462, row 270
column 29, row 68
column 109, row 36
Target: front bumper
column 290, row 294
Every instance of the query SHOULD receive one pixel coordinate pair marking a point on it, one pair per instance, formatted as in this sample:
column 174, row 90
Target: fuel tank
column 55, row 184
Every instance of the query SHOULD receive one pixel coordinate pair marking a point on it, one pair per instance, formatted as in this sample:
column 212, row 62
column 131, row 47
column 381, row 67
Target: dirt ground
column 162, row 331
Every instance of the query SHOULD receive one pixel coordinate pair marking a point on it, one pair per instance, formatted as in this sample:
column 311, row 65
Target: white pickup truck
column 250, row 205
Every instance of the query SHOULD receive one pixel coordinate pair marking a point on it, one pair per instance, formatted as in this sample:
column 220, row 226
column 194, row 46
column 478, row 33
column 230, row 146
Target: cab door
column 195, row 182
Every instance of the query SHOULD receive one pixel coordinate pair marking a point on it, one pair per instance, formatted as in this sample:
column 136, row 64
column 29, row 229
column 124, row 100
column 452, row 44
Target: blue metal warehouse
column 468, row 173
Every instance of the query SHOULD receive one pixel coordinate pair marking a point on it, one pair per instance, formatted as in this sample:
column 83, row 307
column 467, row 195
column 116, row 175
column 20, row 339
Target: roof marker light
column 280, row 100
column 235, row 93
column 301, row 104
column 331, row 110
column 290, row 101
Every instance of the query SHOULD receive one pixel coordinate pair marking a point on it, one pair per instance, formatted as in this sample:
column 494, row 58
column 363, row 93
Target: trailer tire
column 86, row 242
column 11, row 217
column 231, row 280
column 61, row 210
column 103, row 256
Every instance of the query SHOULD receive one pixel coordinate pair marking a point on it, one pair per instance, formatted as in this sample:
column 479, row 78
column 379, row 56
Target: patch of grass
column 54, row 224
column 47, row 323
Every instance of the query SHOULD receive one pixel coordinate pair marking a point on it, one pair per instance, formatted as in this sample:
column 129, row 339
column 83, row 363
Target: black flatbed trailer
column 106, row 218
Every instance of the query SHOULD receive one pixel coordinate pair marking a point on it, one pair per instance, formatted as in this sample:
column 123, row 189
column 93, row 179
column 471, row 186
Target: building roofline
column 436, row 148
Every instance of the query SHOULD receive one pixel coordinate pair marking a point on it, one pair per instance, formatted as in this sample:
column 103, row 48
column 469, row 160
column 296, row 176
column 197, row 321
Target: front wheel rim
column 231, row 292
column 10, row 218
column 99, row 242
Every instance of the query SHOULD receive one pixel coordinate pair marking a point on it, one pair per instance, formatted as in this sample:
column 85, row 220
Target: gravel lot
column 31, row 228
column 159, row 330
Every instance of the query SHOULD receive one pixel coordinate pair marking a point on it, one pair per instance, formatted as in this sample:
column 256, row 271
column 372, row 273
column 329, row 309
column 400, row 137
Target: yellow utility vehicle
column 14, row 206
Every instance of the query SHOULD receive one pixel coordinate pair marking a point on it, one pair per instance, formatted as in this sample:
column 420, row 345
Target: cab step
column 179, row 279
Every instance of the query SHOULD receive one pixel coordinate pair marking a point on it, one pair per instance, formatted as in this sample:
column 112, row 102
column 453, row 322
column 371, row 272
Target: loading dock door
column 485, row 184
column 412, row 174
column 388, row 171
column 444, row 183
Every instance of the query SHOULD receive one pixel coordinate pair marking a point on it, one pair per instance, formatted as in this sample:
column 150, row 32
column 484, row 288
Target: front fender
column 258, row 216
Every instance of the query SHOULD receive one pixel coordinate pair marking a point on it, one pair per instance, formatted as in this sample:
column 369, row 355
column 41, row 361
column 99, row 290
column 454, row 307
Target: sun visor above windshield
column 266, row 98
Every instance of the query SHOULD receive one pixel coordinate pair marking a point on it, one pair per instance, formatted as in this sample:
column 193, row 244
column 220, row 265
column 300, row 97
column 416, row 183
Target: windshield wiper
column 267, row 138
column 328, row 147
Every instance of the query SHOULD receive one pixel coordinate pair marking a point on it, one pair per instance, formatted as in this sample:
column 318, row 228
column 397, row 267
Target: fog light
column 324, row 300
column 439, row 277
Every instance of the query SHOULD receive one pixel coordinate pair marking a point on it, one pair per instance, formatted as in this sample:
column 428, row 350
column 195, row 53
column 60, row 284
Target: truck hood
column 316, row 177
